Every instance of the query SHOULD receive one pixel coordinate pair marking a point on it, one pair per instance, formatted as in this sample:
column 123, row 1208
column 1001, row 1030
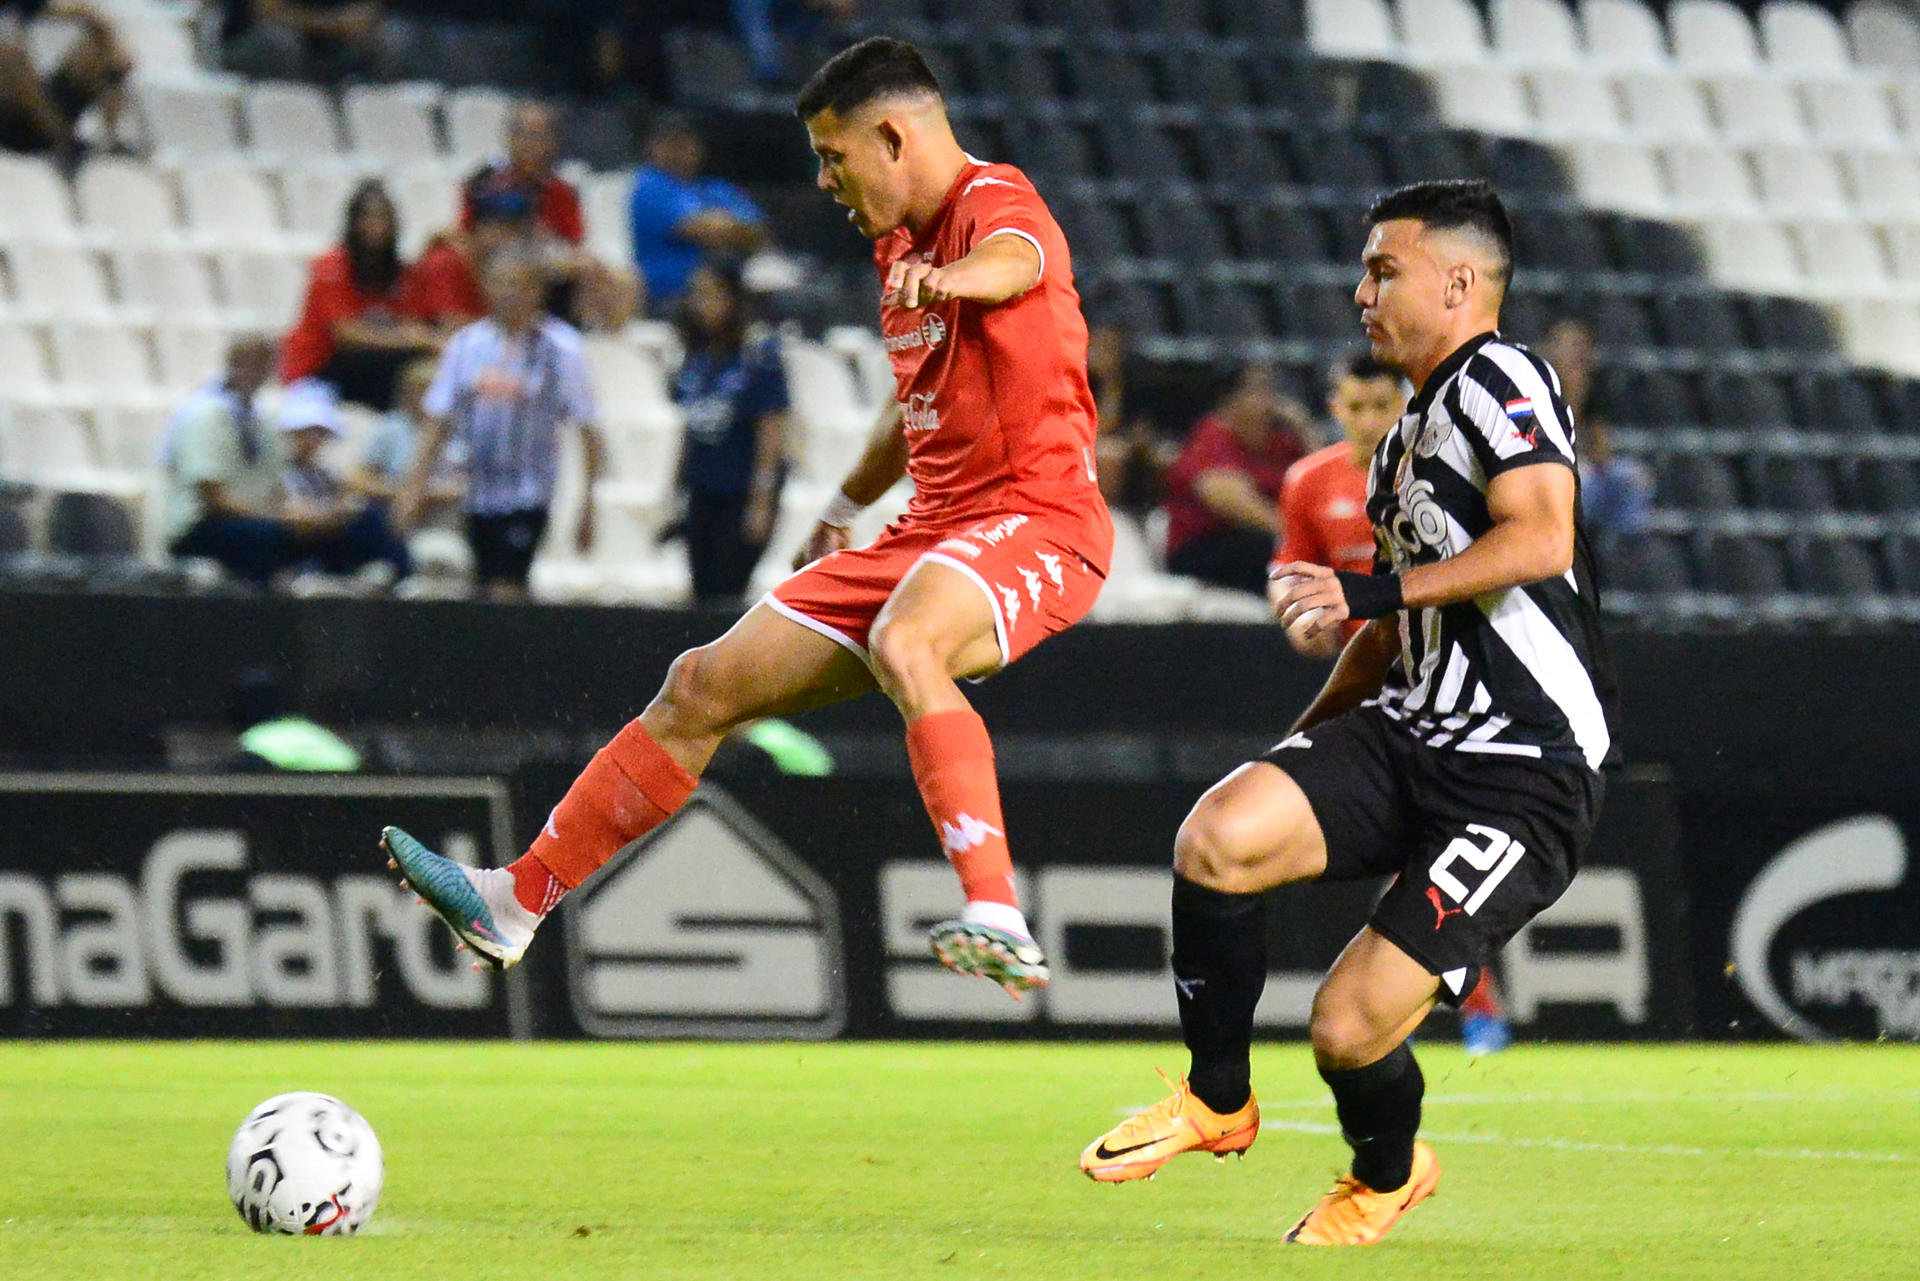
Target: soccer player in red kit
column 1005, row 542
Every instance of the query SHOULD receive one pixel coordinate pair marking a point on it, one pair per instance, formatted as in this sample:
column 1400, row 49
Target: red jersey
column 1323, row 511
column 1211, row 447
column 999, row 418
column 332, row 297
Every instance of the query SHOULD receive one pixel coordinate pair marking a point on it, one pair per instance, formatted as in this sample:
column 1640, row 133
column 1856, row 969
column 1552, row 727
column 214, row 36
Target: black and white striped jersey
column 1519, row 672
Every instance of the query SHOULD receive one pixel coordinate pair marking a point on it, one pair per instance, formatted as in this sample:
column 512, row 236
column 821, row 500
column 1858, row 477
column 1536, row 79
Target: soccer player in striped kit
column 1006, row 541
column 1457, row 744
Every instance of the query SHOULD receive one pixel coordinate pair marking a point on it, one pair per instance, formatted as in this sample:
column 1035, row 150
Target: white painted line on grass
column 1582, row 1145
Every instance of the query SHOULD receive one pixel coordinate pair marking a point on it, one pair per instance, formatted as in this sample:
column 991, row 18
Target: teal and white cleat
column 1016, row 964
column 476, row 903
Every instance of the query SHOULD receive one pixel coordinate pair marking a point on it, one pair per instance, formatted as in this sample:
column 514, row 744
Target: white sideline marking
column 1581, row 1145
column 1755, row 1096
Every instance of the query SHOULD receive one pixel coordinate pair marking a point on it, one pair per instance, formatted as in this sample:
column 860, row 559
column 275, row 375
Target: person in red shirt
column 1005, row 543
column 1323, row 500
column 1221, row 491
column 359, row 324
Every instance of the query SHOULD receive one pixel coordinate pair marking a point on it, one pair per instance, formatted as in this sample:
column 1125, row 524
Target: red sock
column 953, row 764
column 1484, row 999
column 630, row 787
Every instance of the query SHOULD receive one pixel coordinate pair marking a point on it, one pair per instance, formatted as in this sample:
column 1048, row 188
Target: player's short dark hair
column 1452, row 204
column 1361, row 364
column 877, row 67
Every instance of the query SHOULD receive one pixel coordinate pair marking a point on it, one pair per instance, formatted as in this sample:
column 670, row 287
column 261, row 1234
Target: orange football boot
column 1354, row 1214
column 1144, row 1142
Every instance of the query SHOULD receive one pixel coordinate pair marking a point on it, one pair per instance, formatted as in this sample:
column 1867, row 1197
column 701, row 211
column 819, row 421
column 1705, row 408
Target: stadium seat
column 26, row 368
column 1901, row 554
column 1647, row 563
column 1287, row 235
column 1054, row 149
column 1666, row 108
column 1144, row 152
column 1536, row 33
column 1340, row 160
column 289, row 121
column 1708, row 179
column 111, row 362
column 1756, row 110
column 1623, row 35
column 476, row 123
column 1183, row 231
column 1563, row 241
column 1134, row 307
column 188, row 119
column 1712, row 36
column 1656, row 248
column 1756, row 253
column 1882, row 183
column 189, row 354
column 1095, row 232
column 165, row 279
column 1571, row 102
column 1483, row 97
column 1320, row 313
column 1420, row 156
column 1803, row 39
column 1442, row 33
column 1617, row 175
column 1695, row 482
column 629, row 383
column 1525, row 169
column 1740, row 564
column 229, row 206
column 1831, row 566
column 1801, row 181
column 427, row 199
column 1843, row 404
column 129, row 201
column 1350, row 28
column 1883, row 33
column 1247, row 159
column 52, row 448
column 1855, row 112
column 1883, row 332
column 1703, row 322
column 130, row 434
column 1660, row 397
column 1108, row 75
column 92, row 525
column 1747, row 402
column 1844, row 254
column 262, row 287
column 1788, row 325
column 1230, row 313
column 392, row 122
column 1781, row 482
column 58, row 281
column 38, row 204
column 1622, row 319
column 159, row 40
column 1884, row 486
column 315, row 198
column 1208, row 77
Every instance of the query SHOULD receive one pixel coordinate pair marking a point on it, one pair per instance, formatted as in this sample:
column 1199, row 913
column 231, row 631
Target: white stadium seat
column 628, row 383
column 130, row 434
column 1802, row 182
column 1884, row 33
column 111, row 362
column 1883, row 332
column 872, row 368
column 158, row 40
column 1712, row 36
column 289, row 121
column 1484, row 97
column 393, row 122
column 1662, row 107
column 476, row 124
column 820, row 383
column 1572, row 103
column 1351, row 28
column 127, row 202
column 1843, row 253
column 230, row 206
column 1618, row 175
column 1536, row 33
column 1803, row 39
column 1903, row 252
column 190, row 118
column 1623, row 35
column 58, row 281
column 1442, row 33
column 605, row 202
column 263, row 287
column 1710, row 179
column 1757, row 109
column 36, row 203
column 1882, row 184
column 1752, row 253
column 189, row 353
column 165, row 279
column 315, row 198
column 1851, row 113
column 427, row 199
column 26, row 369
column 42, row 445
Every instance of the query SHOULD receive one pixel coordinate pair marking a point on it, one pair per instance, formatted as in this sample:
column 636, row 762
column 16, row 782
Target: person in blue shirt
column 733, row 391
column 680, row 219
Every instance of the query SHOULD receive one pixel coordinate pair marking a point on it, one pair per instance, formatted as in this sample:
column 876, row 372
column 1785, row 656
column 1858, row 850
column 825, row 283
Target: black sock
column 1219, row 969
column 1379, row 1110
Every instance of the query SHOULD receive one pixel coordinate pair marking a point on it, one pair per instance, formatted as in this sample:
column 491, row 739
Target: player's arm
column 1357, row 675
column 1530, row 539
column 883, row 463
column 999, row 268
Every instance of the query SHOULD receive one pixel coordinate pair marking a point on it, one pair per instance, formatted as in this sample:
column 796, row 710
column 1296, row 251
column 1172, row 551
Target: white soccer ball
column 305, row 1164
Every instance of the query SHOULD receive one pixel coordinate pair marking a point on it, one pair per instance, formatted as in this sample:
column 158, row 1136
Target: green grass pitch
column 958, row 1160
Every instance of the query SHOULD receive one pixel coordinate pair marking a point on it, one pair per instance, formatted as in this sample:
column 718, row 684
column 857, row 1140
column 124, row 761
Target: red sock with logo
column 630, row 787
column 952, row 761
column 1484, row 999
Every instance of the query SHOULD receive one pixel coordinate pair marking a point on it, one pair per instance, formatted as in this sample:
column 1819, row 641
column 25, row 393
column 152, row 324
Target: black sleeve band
column 1370, row 595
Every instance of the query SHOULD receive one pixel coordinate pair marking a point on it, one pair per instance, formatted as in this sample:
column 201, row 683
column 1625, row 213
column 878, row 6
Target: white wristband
column 841, row 511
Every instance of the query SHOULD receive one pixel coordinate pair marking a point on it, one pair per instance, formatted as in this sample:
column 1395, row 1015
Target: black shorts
column 1478, row 844
column 503, row 546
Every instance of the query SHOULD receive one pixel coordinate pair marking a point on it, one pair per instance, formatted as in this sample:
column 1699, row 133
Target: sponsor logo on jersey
column 920, row 415
column 994, row 535
column 904, row 342
column 964, row 833
column 934, row 330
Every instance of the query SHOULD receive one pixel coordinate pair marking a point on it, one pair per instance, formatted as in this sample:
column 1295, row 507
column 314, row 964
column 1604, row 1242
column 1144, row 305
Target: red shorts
column 1028, row 567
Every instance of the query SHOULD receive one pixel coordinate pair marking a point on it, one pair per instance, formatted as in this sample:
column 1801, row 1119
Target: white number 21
column 1496, row 858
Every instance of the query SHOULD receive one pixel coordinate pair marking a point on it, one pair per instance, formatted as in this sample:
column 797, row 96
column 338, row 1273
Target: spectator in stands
column 679, row 217
column 734, row 460
column 1323, row 500
column 223, row 475
column 1223, row 490
column 327, row 40
column 41, row 117
column 312, row 494
column 1616, row 494
column 592, row 294
column 387, row 456
column 361, row 320
column 505, row 387
column 1133, row 458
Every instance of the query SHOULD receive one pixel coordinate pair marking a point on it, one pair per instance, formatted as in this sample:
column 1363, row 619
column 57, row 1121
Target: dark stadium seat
column 1842, row 403
column 1644, row 563
column 1901, row 555
column 1428, row 154
column 1662, row 398
column 601, row 134
column 1704, row 322
column 1620, row 319
column 1131, row 306
column 1739, row 564
column 1170, row 16
column 1310, row 91
column 1656, row 248
column 1550, row 239
column 1695, row 482
column 1390, row 95
column 1273, row 20
column 15, row 536
column 1783, row 482
column 1143, row 153
column 1320, row 313
column 1051, row 148
column 1096, row 232
column 1788, row 324
column 1246, row 159
column 1525, row 316
column 1284, row 233
column 1888, row 486
column 1024, row 73
column 1340, row 160
column 1184, row 231
column 1823, row 566
column 1518, row 166
column 1112, row 76
column 1229, row 313
column 1742, row 401
column 707, row 68
column 982, row 14
column 90, row 525
column 1208, row 77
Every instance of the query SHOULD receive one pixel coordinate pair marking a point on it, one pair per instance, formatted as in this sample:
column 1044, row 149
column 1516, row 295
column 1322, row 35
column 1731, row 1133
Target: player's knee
column 1343, row 1035
column 900, row 651
column 689, row 700
column 1208, row 852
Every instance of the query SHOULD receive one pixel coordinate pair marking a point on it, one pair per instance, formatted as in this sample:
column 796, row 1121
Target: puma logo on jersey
column 964, row 833
column 1441, row 910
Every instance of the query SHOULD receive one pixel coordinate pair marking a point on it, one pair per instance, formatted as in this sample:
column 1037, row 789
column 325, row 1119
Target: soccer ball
column 305, row 1164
